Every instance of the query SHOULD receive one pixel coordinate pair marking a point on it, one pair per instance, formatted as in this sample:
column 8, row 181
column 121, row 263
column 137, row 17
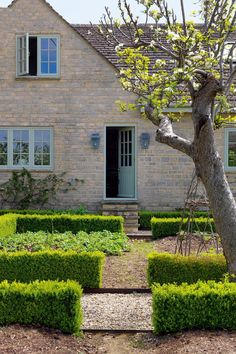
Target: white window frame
column 226, row 148
column 25, row 73
column 31, row 165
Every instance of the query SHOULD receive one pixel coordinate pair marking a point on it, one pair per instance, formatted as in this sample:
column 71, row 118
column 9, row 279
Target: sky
column 86, row 11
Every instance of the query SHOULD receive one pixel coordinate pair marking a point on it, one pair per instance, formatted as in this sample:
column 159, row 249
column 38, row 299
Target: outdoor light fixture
column 145, row 140
column 95, row 140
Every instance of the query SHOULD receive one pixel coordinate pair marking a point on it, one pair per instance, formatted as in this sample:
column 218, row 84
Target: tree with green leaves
column 194, row 67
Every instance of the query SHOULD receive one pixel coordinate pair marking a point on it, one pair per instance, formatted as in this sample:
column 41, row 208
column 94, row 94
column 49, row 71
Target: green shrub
column 104, row 241
column 52, row 304
column 7, row 225
column 73, row 223
column 85, row 267
column 146, row 216
column 171, row 268
column 170, row 226
column 198, row 306
column 79, row 211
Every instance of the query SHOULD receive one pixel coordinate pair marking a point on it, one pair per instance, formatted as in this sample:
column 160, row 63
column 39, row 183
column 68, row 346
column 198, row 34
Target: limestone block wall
column 79, row 103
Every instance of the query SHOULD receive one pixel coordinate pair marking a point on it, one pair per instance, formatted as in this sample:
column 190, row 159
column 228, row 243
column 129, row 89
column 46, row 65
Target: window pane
column 16, row 159
column 46, row 135
column 42, row 147
column 53, row 68
column 44, row 68
column 232, row 149
column 3, row 159
column 21, row 147
column 48, row 56
column 16, row 135
column 44, row 43
column 53, row 55
column 25, row 135
column 3, row 135
column 38, row 135
column 16, row 147
column 46, row 148
column 38, row 148
column 3, row 148
column 53, row 43
column 24, row 148
column 46, row 160
column 38, row 159
column 44, row 55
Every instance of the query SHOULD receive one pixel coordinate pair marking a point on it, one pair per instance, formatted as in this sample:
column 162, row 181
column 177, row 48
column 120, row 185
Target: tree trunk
column 210, row 169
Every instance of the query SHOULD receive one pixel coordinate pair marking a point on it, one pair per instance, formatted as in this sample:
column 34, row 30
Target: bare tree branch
column 165, row 134
column 183, row 17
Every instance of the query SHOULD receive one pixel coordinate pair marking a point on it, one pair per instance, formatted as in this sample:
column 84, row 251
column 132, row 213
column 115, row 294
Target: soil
column 129, row 270
column 33, row 340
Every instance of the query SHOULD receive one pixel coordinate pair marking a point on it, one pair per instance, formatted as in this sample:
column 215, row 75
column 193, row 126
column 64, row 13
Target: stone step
column 128, row 210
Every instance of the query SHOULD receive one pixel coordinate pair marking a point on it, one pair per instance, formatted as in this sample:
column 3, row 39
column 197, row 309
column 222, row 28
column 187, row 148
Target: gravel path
column 117, row 311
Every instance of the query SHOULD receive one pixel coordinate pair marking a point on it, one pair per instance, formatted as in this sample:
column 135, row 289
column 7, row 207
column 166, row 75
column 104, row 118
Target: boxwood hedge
column 197, row 306
column 52, row 304
column 73, row 223
column 85, row 267
column 162, row 227
column 7, row 225
column 146, row 216
column 172, row 268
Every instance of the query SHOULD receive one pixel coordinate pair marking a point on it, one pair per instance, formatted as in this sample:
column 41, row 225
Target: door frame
column 125, row 125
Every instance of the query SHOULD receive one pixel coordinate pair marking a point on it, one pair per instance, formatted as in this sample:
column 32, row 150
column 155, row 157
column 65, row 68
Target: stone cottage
column 58, row 112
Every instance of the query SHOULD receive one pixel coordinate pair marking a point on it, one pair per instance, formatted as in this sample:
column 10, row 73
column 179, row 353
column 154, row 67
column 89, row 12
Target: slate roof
column 97, row 41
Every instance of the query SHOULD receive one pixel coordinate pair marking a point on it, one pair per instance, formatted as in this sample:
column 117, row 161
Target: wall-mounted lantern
column 145, row 140
column 95, row 140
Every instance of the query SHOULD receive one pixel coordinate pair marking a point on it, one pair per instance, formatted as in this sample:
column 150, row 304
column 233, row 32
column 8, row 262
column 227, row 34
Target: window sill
column 19, row 78
column 19, row 169
column 229, row 171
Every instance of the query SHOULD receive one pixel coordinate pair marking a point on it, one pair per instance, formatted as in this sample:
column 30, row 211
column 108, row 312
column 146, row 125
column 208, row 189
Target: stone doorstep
column 119, row 207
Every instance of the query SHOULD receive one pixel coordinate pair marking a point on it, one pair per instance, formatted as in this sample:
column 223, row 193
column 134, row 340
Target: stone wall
column 79, row 103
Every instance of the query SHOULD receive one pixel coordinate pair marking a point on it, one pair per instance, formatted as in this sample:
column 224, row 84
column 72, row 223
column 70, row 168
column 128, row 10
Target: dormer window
column 38, row 55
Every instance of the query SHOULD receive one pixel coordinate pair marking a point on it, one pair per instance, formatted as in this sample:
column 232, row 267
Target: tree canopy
column 187, row 53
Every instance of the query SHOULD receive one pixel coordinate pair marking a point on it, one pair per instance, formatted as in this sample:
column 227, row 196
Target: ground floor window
column 230, row 149
column 26, row 147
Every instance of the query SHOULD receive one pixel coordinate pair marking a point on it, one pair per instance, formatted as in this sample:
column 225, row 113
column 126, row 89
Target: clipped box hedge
column 52, row 304
column 85, row 267
column 172, row 268
column 7, row 225
column 79, row 211
column 146, row 216
column 73, row 223
column 198, row 306
column 162, row 227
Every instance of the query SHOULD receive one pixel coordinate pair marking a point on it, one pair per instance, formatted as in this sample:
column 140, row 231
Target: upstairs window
column 38, row 55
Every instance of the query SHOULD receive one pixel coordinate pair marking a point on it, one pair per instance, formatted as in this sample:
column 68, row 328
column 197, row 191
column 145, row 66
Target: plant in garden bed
column 22, row 190
column 105, row 241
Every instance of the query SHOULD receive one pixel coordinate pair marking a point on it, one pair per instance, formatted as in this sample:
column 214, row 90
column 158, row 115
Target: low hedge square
column 52, row 304
column 173, row 268
column 201, row 305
